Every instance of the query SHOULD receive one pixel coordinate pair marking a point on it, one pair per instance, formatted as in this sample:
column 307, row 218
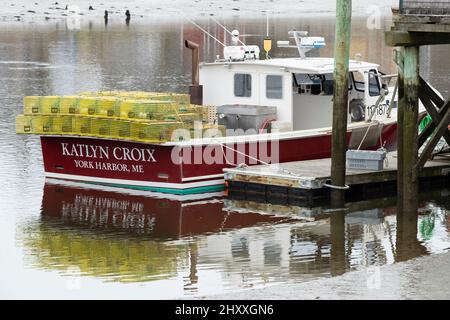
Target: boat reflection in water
column 137, row 214
column 215, row 245
column 126, row 236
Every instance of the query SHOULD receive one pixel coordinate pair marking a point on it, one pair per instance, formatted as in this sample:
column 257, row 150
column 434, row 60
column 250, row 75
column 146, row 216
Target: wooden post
column 408, row 154
column 340, row 98
column 399, row 54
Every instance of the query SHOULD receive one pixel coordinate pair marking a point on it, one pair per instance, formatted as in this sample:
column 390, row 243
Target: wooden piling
column 401, row 97
column 417, row 24
column 340, row 97
column 409, row 106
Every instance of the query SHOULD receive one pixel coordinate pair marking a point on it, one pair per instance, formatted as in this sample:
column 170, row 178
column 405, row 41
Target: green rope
column 425, row 121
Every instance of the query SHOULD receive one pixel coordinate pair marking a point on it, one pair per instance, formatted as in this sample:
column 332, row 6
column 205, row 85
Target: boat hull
column 179, row 169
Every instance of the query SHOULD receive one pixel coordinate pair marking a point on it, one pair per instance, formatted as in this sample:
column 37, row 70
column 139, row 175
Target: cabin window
column 242, row 85
column 374, row 85
column 308, row 83
column 358, row 80
column 328, row 84
column 317, row 84
column 274, row 87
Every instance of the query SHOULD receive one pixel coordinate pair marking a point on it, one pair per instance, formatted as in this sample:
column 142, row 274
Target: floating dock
column 309, row 181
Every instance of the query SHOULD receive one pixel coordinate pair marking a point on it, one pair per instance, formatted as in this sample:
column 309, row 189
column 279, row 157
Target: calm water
column 71, row 241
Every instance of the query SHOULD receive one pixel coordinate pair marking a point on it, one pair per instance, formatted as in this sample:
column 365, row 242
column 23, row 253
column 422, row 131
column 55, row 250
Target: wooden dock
column 308, row 181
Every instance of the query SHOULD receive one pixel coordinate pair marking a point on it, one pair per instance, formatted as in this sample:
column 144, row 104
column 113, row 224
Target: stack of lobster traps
column 134, row 116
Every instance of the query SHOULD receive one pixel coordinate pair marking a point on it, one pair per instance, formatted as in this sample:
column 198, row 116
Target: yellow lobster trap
column 179, row 98
column 115, row 128
column 135, row 116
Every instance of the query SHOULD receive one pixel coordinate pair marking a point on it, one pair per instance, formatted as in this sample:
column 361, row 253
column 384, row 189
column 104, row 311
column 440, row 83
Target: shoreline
column 418, row 278
column 141, row 10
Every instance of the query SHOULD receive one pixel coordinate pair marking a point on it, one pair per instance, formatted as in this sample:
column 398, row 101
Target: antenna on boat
column 232, row 33
column 238, row 50
column 234, row 52
column 206, row 32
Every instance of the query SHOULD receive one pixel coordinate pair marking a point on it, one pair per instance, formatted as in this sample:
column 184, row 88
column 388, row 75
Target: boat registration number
column 380, row 110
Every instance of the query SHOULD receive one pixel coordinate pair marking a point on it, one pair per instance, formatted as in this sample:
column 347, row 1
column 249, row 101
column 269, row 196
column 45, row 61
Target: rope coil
column 346, row 187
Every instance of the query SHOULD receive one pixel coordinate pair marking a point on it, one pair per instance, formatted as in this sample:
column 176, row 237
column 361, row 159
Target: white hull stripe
column 134, row 192
column 180, row 186
column 212, row 176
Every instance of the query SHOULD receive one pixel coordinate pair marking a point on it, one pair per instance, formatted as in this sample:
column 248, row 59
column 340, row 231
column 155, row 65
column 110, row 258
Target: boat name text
column 103, row 152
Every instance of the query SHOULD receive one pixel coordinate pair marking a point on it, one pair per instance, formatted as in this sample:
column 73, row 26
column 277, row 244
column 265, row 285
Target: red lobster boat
column 291, row 96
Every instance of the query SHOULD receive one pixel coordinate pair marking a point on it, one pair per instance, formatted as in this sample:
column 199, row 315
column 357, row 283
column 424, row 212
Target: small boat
column 275, row 110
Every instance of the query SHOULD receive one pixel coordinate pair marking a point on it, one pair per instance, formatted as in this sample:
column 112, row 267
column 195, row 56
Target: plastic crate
column 366, row 160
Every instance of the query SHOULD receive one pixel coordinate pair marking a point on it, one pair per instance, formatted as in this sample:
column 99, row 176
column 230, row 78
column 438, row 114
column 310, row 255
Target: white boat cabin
column 300, row 88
